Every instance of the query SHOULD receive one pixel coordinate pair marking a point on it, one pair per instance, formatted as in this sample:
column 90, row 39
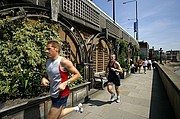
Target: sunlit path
column 142, row 97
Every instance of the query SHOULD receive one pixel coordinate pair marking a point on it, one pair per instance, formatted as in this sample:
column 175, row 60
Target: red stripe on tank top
column 64, row 77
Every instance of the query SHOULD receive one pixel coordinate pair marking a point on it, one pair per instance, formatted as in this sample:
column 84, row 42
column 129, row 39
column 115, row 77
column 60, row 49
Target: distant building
column 156, row 55
column 151, row 52
column 173, row 55
column 143, row 50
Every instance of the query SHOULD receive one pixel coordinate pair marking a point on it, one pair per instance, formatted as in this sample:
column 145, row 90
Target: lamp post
column 113, row 9
column 171, row 55
column 160, row 55
column 135, row 23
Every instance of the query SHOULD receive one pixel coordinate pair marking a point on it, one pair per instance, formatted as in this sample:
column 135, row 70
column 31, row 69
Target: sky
column 158, row 20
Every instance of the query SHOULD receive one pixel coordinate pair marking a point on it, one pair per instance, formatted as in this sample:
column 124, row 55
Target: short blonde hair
column 54, row 44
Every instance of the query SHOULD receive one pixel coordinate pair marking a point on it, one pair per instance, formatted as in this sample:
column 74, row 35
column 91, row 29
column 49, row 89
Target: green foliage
column 142, row 56
column 122, row 54
column 135, row 53
column 80, row 80
column 136, row 50
column 22, row 62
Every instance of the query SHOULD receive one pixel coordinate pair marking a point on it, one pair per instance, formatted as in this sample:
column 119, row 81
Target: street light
column 135, row 23
column 113, row 9
column 160, row 55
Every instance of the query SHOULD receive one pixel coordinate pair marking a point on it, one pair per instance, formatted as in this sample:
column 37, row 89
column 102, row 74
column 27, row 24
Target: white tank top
column 52, row 68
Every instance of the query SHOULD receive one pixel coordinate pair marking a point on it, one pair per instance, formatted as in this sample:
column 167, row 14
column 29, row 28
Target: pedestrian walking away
column 114, row 70
column 58, row 68
column 153, row 64
column 145, row 62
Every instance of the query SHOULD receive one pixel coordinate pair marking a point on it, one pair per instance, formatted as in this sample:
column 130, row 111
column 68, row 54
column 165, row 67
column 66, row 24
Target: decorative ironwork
column 20, row 11
column 100, row 57
column 80, row 9
column 66, row 49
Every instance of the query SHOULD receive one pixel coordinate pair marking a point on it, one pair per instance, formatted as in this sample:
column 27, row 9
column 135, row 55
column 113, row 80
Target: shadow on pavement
column 160, row 107
column 98, row 102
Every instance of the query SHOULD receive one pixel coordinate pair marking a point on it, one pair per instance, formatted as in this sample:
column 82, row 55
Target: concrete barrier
column 171, row 83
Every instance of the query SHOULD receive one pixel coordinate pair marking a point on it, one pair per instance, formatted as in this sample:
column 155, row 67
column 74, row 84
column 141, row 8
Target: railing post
column 86, row 70
column 86, row 98
column 45, row 109
column 72, row 98
column 91, row 74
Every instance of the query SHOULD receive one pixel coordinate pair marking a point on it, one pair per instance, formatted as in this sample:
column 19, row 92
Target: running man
column 114, row 77
column 58, row 68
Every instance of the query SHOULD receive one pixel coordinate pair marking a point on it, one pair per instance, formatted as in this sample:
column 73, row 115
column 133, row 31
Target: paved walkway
column 142, row 97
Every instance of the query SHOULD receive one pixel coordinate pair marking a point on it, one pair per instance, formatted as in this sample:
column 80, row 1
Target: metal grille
column 113, row 29
column 66, row 49
column 94, row 61
column 100, row 58
column 106, row 58
column 80, row 9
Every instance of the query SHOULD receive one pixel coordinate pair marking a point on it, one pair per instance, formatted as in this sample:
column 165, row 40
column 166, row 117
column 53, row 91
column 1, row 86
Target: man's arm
column 118, row 67
column 67, row 65
column 45, row 81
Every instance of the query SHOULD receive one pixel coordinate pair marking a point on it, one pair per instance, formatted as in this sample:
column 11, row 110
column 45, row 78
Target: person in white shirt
column 145, row 62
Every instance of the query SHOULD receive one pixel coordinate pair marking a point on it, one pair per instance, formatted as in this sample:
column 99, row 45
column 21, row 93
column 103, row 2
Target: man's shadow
column 98, row 102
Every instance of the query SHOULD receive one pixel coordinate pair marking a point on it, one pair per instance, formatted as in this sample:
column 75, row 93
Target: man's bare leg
column 110, row 90
column 54, row 113
column 118, row 93
column 58, row 113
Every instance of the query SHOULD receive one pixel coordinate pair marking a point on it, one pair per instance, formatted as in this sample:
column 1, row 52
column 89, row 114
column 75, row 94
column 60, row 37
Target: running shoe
column 112, row 96
column 80, row 108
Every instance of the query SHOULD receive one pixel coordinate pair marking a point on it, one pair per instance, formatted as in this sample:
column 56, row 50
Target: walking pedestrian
column 145, row 62
column 149, row 64
column 58, row 68
column 139, row 64
column 153, row 64
column 114, row 69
